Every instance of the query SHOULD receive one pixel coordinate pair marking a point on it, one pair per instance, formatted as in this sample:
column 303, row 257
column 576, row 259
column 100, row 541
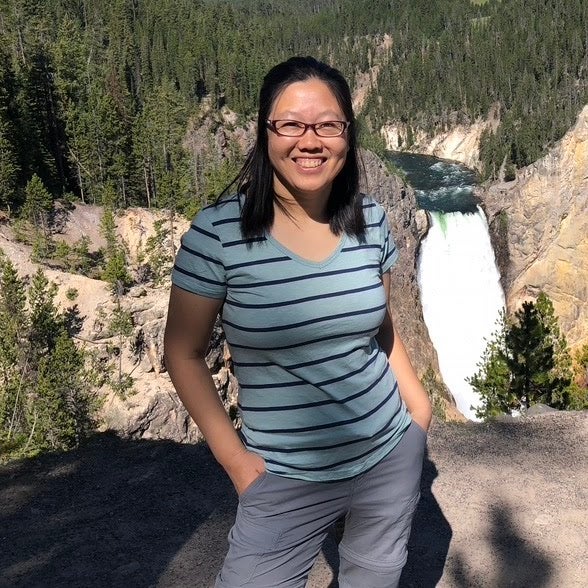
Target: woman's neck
column 301, row 210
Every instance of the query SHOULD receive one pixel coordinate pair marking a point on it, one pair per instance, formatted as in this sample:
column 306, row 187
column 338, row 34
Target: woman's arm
column 190, row 321
column 412, row 391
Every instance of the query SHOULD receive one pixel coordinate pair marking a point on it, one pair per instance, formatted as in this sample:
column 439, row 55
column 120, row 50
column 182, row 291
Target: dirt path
column 502, row 505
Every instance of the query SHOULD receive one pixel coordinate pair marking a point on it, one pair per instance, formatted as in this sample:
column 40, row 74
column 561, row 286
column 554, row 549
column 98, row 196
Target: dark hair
column 255, row 180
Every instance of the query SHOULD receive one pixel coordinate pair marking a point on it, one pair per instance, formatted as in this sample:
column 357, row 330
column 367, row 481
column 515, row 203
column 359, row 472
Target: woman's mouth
column 308, row 163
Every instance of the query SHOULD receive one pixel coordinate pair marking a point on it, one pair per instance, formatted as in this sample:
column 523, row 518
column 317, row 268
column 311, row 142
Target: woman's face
column 305, row 166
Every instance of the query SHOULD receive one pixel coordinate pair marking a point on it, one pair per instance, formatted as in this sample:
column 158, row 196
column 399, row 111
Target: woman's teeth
column 309, row 162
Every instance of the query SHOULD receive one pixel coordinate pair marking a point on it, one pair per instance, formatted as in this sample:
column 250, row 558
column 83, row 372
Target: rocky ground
column 503, row 504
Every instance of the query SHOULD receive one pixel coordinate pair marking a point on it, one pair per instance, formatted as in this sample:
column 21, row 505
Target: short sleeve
column 199, row 267
column 388, row 250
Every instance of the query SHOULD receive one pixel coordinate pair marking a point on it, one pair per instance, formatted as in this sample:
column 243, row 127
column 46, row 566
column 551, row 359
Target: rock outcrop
column 539, row 224
column 459, row 142
column 408, row 225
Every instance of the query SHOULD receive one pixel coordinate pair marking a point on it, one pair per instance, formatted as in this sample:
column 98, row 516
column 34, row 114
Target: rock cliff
column 408, row 225
column 459, row 142
column 539, row 224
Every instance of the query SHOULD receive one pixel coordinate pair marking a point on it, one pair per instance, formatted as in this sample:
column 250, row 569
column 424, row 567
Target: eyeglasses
column 295, row 128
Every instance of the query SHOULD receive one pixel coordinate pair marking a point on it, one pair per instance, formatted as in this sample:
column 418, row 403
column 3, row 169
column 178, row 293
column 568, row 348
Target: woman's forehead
column 309, row 97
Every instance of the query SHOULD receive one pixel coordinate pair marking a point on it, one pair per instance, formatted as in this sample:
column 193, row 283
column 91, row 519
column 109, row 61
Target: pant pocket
column 252, row 487
column 248, row 544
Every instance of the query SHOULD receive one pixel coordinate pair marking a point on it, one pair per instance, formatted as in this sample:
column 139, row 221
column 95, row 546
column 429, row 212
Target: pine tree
column 9, row 169
column 38, row 204
column 14, row 356
column 45, row 321
column 46, row 398
column 530, row 357
column 115, row 270
column 492, row 381
column 63, row 405
column 120, row 327
column 526, row 362
column 159, row 251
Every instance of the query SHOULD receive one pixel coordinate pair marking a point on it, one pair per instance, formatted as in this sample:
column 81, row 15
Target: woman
column 334, row 417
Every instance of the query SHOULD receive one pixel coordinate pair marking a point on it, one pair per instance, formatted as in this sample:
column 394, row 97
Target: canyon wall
column 460, row 143
column 539, row 224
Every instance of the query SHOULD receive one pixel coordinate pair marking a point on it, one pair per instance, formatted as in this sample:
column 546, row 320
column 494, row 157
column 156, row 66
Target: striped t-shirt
column 317, row 397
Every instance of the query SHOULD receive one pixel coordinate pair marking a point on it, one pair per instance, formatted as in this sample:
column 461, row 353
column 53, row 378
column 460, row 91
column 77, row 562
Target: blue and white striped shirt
column 317, row 397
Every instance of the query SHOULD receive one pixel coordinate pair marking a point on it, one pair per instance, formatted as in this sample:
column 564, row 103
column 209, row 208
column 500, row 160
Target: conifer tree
column 115, row 270
column 526, row 362
column 9, row 169
column 492, row 381
column 46, row 395
column 45, row 321
column 13, row 349
column 38, row 204
column 530, row 357
column 63, row 403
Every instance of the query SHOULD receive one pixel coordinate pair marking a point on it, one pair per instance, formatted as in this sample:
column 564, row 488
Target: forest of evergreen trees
column 95, row 96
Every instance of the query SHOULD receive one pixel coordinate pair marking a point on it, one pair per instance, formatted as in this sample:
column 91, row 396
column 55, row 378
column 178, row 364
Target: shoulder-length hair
column 256, row 178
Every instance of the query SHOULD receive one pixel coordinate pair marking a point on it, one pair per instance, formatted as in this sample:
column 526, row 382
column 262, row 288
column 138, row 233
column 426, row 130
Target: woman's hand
column 423, row 420
column 244, row 468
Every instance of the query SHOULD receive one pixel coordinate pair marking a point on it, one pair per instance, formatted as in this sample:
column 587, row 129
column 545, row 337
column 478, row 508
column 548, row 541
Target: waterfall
column 461, row 297
column 460, row 286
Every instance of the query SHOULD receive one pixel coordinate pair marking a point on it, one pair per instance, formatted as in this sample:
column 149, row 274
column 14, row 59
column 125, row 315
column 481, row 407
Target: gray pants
column 281, row 524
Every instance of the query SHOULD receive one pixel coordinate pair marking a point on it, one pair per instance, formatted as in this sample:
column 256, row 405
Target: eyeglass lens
column 293, row 128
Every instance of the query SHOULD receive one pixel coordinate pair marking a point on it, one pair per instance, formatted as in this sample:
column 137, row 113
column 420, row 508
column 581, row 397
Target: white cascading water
column 461, row 297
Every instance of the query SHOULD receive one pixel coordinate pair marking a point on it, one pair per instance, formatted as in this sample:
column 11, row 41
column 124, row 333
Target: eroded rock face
column 539, row 224
column 461, row 143
column 408, row 226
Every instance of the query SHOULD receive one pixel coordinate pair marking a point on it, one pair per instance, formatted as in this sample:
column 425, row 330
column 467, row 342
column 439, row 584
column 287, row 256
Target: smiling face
column 305, row 167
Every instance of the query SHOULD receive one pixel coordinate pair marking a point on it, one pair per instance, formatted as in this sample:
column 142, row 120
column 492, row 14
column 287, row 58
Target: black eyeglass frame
column 271, row 124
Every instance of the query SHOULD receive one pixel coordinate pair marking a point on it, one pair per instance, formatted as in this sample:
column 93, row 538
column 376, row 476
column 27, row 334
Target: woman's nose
column 309, row 140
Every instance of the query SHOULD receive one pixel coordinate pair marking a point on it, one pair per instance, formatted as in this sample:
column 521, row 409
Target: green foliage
column 74, row 258
column 63, row 408
column 492, row 381
column 38, row 203
column 160, row 251
column 159, row 132
column 115, row 270
column 46, row 400
column 81, row 261
column 14, row 324
column 581, row 365
column 526, row 362
column 9, row 169
column 218, row 177
column 120, row 328
column 43, row 247
column 101, row 93
column 531, row 357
